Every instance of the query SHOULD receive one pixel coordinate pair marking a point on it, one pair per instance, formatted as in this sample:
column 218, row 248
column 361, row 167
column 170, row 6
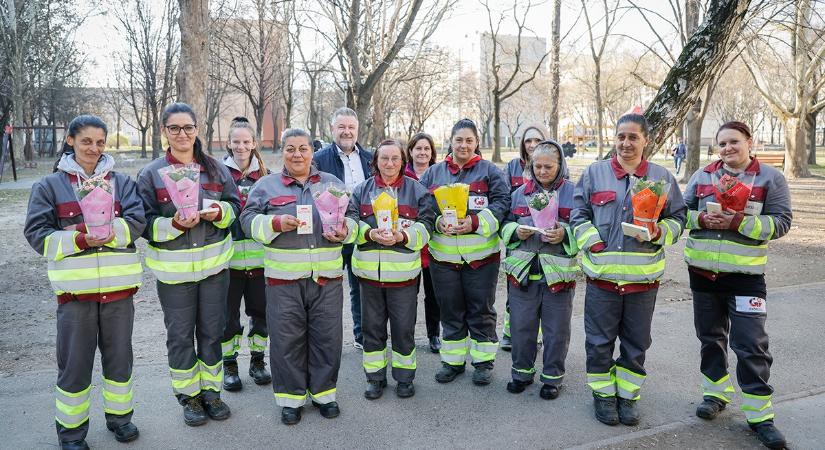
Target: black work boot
column 124, row 433
column 231, row 380
column 448, row 373
column 290, row 416
column 505, row 344
column 518, row 386
column 549, row 392
column 375, row 389
column 217, row 409
column 768, row 435
column 330, row 410
column 74, row 445
column 709, row 408
column 483, row 374
column 605, row 410
column 628, row 412
column 257, row 369
column 193, row 413
column 404, row 389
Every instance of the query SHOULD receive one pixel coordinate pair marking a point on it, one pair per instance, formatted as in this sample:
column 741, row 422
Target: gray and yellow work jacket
column 602, row 201
column 290, row 256
column 248, row 255
column 533, row 259
column 76, row 272
column 488, row 203
column 177, row 254
column 744, row 247
column 400, row 263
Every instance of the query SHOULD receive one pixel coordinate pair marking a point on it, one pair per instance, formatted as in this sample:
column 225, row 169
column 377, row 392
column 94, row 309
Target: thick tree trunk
column 313, row 108
column 694, row 140
column 157, row 144
column 143, row 143
column 810, row 124
column 378, row 115
column 701, row 58
column 795, row 151
column 193, row 67
column 555, row 79
column 496, row 129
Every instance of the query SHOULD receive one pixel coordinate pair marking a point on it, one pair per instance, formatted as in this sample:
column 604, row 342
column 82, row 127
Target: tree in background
column 193, row 68
column 598, row 43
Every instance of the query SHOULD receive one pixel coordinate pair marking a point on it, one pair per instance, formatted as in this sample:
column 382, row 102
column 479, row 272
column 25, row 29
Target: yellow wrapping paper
column 385, row 209
column 453, row 196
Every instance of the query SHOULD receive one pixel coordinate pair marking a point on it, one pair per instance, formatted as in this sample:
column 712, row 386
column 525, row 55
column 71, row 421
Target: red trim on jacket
column 631, row 288
column 382, row 284
column 453, row 167
column 99, row 298
column 172, row 160
column 619, row 171
column 753, row 167
column 379, row 182
column 494, row 258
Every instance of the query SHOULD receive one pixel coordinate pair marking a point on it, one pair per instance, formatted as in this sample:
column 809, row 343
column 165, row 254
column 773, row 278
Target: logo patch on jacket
column 748, row 304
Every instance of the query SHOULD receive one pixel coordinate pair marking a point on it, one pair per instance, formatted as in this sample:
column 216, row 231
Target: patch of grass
column 13, row 196
column 817, row 169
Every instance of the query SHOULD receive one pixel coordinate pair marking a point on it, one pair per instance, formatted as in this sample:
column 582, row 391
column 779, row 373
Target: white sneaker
column 358, row 345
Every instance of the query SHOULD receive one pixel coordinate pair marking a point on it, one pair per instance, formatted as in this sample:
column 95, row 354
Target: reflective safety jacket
column 556, row 263
column 248, row 254
column 402, row 261
column 601, row 203
column 744, row 247
column 289, row 255
column 77, row 272
column 488, row 203
column 515, row 173
column 177, row 254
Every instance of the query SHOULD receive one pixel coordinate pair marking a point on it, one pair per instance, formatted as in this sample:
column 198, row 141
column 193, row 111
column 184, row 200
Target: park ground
column 458, row 414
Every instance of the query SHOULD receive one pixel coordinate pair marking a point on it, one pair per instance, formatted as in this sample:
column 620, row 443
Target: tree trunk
column 555, row 79
column 157, row 144
column 700, row 59
column 496, row 129
column 694, row 140
column 117, row 141
column 810, row 124
column 313, row 108
column 378, row 115
column 193, row 67
column 795, row 151
column 597, row 78
column 143, row 143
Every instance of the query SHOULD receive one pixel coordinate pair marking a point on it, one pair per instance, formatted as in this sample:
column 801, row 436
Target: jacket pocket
column 521, row 211
column 705, row 190
column 478, row 187
column 68, row 210
column 602, row 198
column 407, row 212
column 365, row 210
column 282, row 200
column 162, row 195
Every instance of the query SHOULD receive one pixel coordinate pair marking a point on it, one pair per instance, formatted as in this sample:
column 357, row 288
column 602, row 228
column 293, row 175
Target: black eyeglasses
column 175, row 130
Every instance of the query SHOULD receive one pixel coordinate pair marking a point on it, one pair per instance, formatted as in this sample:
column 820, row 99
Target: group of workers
column 256, row 236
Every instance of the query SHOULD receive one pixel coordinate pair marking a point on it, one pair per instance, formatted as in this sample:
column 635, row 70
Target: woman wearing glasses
column 387, row 262
column 189, row 254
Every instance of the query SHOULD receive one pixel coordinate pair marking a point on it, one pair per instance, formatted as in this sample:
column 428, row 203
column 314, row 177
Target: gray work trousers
column 399, row 306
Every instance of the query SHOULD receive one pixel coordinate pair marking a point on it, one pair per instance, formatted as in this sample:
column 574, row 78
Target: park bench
column 776, row 159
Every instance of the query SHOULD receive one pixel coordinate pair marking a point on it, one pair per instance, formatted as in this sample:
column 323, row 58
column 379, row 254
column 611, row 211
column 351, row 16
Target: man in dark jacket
column 348, row 161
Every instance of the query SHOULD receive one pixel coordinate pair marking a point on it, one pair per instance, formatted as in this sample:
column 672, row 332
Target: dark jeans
column 354, row 294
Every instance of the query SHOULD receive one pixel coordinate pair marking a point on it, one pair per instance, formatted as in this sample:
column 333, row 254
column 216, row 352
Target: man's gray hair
column 342, row 111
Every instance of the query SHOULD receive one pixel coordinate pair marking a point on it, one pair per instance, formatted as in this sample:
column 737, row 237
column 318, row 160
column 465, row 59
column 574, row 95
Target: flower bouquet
column 544, row 210
column 385, row 208
column 648, row 200
column 331, row 200
column 182, row 181
column 97, row 204
column 731, row 192
column 452, row 200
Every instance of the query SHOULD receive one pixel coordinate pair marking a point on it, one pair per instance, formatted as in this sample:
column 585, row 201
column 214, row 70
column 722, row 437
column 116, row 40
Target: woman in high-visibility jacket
column 246, row 268
column 465, row 257
column 420, row 156
column 303, row 269
column 726, row 253
column 190, row 256
column 541, row 270
column 94, row 278
column 387, row 263
column 622, row 272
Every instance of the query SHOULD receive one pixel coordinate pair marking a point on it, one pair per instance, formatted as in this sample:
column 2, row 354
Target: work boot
column 768, row 435
column 483, row 375
column 74, row 445
column 124, row 433
column 605, row 410
column 404, row 390
column 448, row 373
column 435, row 344
column 375, row 389
column 290, row 416
column 549, row 392
column 231, row 380
column 709, row 408
column 628, row 413
column 257, row 370
column 506, row 344
column 217, row 409
column 193, row 413
column 518, row 386
column 330, row 410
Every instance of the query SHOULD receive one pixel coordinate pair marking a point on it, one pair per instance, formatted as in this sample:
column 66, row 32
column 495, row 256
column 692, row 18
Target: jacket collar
column 453, row 167
column 314, row 176
column 531, row 186
column 172, row 160
column 252, row 171
column 753, row 167
column 379, row 182
column 620, row 173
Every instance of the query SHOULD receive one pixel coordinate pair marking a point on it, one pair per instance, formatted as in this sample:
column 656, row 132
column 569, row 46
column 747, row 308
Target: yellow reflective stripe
column 482, row 351
column 670, row 230
column 719, row 389
column 628, row 383
column 256, row 342
column 624, row 267
column 60, row 244
column 228, row 348
column 227, row 215
column 189, row 265
column 487, row 223
column 186, row 381
column 363, row 229
column 247, row 254
column 375, row 361
column 72, row 408
column 284, row 264
column 120, row 228
column 400, row 361
column 284, row 399
column 117, row 396
column 417, row 236
column 262, row 230
column 757, row 408
column 507, row 233
column 96, row 272
column 324, row 397
column 692, row 222
column 529, row 371
column 603, row 384
column 558, row 268
column 465, row 247
column 454, row 352
column 726, row 256
column 586, row 235
column 163, row 231
column 211, row 377
column 760, row 228
column 352, row 231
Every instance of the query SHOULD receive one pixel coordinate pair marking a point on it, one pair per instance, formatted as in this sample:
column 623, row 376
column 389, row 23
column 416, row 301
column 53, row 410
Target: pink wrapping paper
column 548, row 216
column 332, row 209
column 182, row 182
column 97, row 204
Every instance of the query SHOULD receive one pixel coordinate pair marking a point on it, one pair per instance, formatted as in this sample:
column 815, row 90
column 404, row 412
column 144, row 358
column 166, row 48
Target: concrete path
column 461, row 415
